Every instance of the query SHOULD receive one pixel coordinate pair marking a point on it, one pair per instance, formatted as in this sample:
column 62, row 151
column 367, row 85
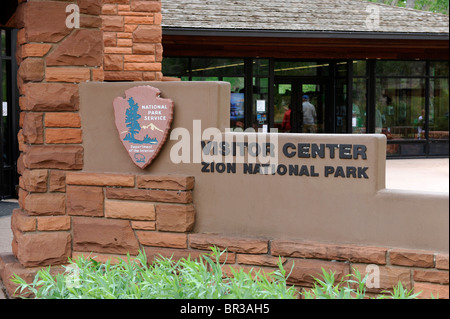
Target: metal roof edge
column 302, row 34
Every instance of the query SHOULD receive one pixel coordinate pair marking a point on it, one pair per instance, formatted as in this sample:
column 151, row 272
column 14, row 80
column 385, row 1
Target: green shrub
column 164, row 279
column 187, row 279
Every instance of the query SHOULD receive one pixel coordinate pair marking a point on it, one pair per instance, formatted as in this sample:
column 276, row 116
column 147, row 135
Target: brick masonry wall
column 65, row 212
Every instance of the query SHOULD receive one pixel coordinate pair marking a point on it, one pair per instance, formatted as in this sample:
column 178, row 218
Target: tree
column 131, row 120
column 437, row 6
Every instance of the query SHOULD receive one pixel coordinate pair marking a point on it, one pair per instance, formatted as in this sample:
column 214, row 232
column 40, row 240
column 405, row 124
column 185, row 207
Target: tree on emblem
column 131, row 120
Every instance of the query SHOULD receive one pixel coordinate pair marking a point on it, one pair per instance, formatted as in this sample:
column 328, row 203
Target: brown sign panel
column 143, row 121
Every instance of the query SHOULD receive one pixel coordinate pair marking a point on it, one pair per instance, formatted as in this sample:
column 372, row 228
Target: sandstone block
column 21, row 221
column 150, row 195
column 144, row 48
column 442, row 261
column 437, row 277
column 145, row 6
column 84, row 200
column 139, row 58
column 90, row 22
column 122, row 75
column 63, row 136
column 35, row 180
column 143, row 225
column 112, row 23
column 113, row 62
column 62, row 119
column 110, row 9
column 124, row 43
column 175, row 218
column 57, row 181
column 33, row 130
column 53, row 223
column 43, row 249
column 70, row 75
column 385, row 277
column 64, row 97
column 31, row 69
column 139, row 20
column 233, row 244
column 427, row 290
column 109, row 39
column 104, row 236
column 161, row 239
column 35, row 49
column 40, row 29
column 96, row 179
column 118, row 50
column 93, row 7
column 361, row 254
column 129, row 210
column 45, row 204
column 58, row 157
column 82, row 48
column 147, row 34
column 304, row 271
column 165, row 182
column 411, row 258
column 259, row 260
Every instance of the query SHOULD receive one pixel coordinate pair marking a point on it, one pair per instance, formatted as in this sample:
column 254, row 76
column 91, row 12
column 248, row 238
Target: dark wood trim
column 305, row 48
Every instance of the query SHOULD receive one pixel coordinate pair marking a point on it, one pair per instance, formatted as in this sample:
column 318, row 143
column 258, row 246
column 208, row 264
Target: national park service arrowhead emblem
column 143, row 121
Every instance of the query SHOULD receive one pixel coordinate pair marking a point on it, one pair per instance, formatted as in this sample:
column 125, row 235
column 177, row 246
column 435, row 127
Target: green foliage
column 437, row 6
column 164, row 279
column 188, row 279
column 352, row 286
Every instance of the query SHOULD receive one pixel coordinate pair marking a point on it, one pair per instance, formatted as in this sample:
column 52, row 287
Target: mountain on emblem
column 143, row 121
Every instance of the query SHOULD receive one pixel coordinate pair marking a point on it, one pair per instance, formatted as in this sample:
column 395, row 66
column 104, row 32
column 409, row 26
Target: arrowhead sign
column 143, row 121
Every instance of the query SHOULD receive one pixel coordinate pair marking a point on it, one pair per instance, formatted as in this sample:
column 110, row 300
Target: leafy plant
column 351, row 286
column 164, row 279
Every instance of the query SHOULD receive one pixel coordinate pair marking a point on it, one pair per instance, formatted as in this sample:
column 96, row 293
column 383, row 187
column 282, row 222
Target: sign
column 143, row 121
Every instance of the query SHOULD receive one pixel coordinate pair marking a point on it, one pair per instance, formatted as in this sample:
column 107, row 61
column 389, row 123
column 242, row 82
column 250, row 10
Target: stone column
column 115, row 40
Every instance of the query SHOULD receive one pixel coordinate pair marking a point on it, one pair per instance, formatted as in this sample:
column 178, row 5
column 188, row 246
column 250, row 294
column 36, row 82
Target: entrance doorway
column 9, row 115
column 301, row 105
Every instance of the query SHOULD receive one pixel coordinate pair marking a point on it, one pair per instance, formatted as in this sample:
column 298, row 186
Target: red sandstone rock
column 166, row 182
column 175, row 218
column 33, row 130
column 35, row 180
column 64, row 97
column 31, row 69
column 104, row 236
column 411, row 258
column 162, row 239
column 130, row 210
column 43, row 249
column 84, row 200
column 147, row 34
column 21, row 221
column 63, row 136
column 57, row 181
column 82, row 48
column 58, row 156
column 150, row 195
column 304, row 270
column 233, row 244
column 53, row 223
column 38, row 28
column 62, row 119
column 45, row 204
column 95, row 179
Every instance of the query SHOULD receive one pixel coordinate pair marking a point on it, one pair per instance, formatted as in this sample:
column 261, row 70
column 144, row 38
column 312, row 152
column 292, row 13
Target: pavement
column 425, row 175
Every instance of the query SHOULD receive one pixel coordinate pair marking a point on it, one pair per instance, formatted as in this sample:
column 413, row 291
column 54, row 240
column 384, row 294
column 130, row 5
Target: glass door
column 300, row 105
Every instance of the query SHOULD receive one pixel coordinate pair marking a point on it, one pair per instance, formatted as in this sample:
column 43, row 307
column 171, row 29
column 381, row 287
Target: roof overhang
column 251, row 33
